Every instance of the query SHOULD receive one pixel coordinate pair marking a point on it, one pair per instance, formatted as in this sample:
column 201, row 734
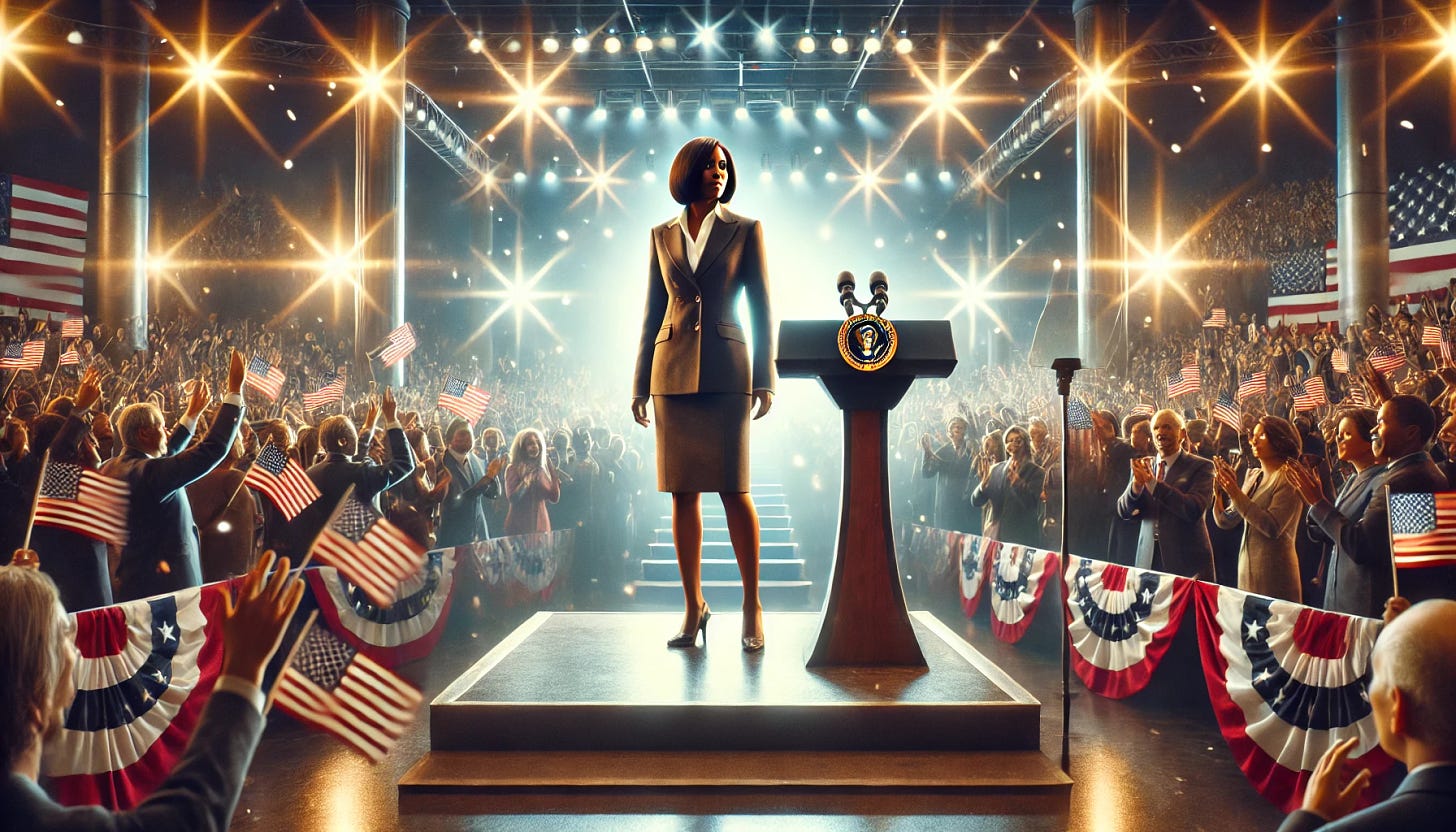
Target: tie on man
column 1148, row 534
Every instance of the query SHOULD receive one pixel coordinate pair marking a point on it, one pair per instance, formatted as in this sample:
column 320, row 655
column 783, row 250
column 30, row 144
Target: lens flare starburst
column 14, row 47
column 518, row 294
column 600, row 180
column 869, row 180
column 203, row 74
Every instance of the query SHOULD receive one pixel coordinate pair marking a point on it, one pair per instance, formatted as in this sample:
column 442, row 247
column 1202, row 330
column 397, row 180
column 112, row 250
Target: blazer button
column 697, row 327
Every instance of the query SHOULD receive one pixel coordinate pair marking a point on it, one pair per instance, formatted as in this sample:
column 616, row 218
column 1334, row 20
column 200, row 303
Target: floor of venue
column 1152, row 762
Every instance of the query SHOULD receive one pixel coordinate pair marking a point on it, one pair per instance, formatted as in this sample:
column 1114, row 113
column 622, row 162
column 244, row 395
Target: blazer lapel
column 671, row 240
column 725, row 230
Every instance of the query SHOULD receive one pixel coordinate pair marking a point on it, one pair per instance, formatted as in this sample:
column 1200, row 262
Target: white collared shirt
column 694, row 247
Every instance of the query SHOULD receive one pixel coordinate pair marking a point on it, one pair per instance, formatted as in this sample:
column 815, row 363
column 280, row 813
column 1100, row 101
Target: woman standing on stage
column 693, row 362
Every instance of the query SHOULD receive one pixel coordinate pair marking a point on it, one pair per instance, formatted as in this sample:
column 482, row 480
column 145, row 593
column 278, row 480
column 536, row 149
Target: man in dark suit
column 1402, row 430
column 1169, row 497
column 202, row 790
column 161, row 552
column 1412, row 686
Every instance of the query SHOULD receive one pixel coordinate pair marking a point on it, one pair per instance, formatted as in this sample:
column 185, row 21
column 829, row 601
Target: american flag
column 42, row 244
column 1446, row 351
column 276, row 474
column 371, row 551
column 83, row 501
column 1423, row 529
column 332, row 686
column 1253, row 384
column 1430, row 336
column 1357, row 395
column 264, row 377
column 1183, row 381
column 1298, row 272
column 332, row 391
column 1340, row 361
column 1422, row 246
column 1226, row 410
column 70, row 358
column 26, row 356
column 1217, row 319
column 73, row 328
column 1080, row 435
column 398, row 344
column 1387, row 359
column 1144, row 408
column 464, row 400
column 1310, row 394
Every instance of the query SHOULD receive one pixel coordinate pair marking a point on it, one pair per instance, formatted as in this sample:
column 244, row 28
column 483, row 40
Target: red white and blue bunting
column 406, row 630
column 146, row 669
column 975, row 557
column 1018, row 576
column 1287, row 682
column 1121, row 623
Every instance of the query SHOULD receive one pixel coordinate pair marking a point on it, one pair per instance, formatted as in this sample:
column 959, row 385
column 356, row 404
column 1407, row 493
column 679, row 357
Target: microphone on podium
column 846, row 292
column 879, row 291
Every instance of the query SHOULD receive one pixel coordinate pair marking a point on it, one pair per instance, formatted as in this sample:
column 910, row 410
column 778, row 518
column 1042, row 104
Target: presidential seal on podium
column 867, row 342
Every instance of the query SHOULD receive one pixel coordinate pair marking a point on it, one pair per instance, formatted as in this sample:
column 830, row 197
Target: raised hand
column 387, row 404
column 1325, row 796
column 198, row 398
column 253, row 625
column 235, row 373
column 90, row 390
column 1304, row 481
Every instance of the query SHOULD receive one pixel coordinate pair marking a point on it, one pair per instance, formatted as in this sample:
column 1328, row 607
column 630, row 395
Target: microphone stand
column 1065, row 369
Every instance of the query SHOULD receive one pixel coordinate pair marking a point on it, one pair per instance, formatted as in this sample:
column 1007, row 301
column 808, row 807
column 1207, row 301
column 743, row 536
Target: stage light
column 945, row 177
column 786, row 112
column 513, row 46
column 879, row 242
column 807, row 44
column 796, row 177
column 638, row 113
column 643, row 43
column 940, row 234
column 562, row 235
column 904, row 45
column 580, row 44
column 912, row 178
column 1406, row 123
column 705, row 112
column 1266, row 147
column 863, row 113
column 550, row 45
column 563, row 111
column 707, row 35
column 1176, row 148
column 831, row 176
column 477, row 45
column 647, row 176
column 519, row 177
column 75, row 38
column 421, row 115
column 667, row 41
column 288, row 164
column 765, row 176
column 873, row 45
column 740, row 113
column 818, row 150
column 821, row 110
column 840, row 44
column 612, row 44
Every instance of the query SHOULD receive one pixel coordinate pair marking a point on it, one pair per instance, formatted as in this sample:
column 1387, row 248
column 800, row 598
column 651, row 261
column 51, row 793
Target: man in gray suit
column 202, row 791
column 1412, row 686
column 1170, row 496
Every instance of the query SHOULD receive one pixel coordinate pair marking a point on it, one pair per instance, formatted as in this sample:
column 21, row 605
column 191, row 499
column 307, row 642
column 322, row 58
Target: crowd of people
column 1285, row 495
column 548, row 453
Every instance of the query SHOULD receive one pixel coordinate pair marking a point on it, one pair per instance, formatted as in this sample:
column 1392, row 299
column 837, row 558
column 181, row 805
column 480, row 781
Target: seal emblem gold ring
column 867, row 342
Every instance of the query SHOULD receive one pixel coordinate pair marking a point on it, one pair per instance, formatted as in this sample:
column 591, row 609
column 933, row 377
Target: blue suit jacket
column 1176, row 506
column 1349, row 586
column 1425, row 802
column 462, row 514
column 161, row 552
column 199, row 795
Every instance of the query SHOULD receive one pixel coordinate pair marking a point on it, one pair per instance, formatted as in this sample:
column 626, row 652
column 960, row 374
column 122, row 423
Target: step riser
column 766, row 551
column 725, row 570
column 717, row 521
column 721, row 536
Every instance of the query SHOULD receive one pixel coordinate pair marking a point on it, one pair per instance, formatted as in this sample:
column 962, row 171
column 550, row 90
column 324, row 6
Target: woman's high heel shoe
column 753, row 644
column 690, row 638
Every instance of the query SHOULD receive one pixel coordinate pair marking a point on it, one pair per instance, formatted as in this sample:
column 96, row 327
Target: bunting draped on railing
column 1018, row 576
column 1287, row 682
column 529, row 563
column 406, row 630
column 1121, row 622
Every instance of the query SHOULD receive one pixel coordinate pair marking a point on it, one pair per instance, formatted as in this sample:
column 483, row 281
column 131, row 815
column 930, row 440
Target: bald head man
column 1412, row 689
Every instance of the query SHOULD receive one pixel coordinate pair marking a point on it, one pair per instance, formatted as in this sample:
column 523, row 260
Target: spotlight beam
column 12, row 50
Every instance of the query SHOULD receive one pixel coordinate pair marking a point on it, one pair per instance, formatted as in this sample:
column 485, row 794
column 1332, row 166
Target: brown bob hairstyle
column 685, row 180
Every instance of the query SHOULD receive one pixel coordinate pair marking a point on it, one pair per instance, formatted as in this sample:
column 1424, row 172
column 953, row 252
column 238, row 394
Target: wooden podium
column 865, row 622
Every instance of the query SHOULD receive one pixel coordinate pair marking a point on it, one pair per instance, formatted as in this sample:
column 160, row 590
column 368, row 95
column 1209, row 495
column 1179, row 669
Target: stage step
column 725, row 569
column 721, row 535
column 890, row 783
column 766, row 551
column 718, row 521
column 724, row 595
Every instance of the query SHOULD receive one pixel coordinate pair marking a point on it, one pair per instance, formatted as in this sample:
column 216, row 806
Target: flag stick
column 35, row 498
column 292, row 651
column 1065, row 368
column 1394, row 572
column 333, row 515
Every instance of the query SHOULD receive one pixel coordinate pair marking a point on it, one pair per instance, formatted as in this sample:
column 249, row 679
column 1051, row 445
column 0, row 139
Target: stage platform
column 593, row 712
